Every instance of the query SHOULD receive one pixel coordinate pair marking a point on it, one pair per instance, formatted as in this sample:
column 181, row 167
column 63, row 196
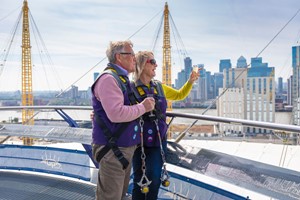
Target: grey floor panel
column 20, row 186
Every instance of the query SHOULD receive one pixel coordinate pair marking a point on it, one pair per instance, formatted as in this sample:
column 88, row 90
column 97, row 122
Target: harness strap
column 111, row 142
column 155, row 90
column 132, row 98
column 125, row 81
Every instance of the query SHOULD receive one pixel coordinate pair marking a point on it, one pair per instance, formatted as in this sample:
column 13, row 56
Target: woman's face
column 150, row 67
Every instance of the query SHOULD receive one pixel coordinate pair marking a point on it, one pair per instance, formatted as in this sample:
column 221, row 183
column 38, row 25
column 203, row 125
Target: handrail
column 46, row 107
column 244, row 122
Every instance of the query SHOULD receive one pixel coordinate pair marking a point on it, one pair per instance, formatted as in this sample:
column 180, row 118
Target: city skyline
column 210, row 32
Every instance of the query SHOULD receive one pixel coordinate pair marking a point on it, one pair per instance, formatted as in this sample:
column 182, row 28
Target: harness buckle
column 112, row 142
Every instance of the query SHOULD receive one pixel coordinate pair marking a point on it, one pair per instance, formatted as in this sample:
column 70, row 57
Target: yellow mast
column 27, row 97
column 166, row 70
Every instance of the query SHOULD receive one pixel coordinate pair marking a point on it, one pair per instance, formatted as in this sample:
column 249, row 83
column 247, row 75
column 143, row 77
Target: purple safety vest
column 131, row 134
column 150, row 137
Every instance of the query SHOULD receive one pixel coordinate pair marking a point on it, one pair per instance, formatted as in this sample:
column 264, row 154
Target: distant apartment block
column 296, row 84
column 289, row 90
column 254, row 89
column 231, row 104
column 217, row 83
column 187, row 67
column 202, row 85
column 280, row 86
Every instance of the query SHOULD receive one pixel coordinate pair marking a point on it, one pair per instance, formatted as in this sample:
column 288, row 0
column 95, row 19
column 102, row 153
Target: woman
column 148, row 158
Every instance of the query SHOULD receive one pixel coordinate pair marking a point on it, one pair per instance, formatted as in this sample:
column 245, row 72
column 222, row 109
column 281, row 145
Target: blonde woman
column 150, row 154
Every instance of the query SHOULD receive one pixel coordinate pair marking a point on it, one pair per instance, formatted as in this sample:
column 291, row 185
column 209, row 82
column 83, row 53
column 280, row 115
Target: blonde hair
column 116, row 47
column 141, row 58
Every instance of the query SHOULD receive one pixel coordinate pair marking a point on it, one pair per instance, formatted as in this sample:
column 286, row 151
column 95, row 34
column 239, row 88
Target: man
column 116, row 130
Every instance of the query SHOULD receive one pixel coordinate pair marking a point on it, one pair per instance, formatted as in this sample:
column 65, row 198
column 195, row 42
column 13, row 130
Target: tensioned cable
column 65, row 90
column 177, row 48
column 7, row 51
column 9, row 14
column 46, row 59
column 157, row 33
column 278, row 33
column 103, row 58
column 47, row 54
column 39, row 53
column 298, row 37
column 144, row 25
column 181, row 135
column 283, row 72
column 5, row 45
column 176, row 32
column 180, row 39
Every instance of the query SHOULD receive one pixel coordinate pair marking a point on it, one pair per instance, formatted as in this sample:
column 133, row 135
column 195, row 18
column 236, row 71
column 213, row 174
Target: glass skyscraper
column 224, row 64
column 241, row 62
column 296, row 84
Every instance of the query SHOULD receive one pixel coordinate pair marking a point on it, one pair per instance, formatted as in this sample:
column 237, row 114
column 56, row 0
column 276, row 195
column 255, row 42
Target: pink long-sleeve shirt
column 110, row 94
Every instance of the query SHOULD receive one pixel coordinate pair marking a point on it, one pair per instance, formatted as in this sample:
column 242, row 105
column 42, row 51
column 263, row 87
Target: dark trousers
column 153, row 171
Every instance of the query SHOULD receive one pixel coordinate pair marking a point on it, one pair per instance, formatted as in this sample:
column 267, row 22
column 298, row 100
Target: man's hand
column 148, row 103
column 92, row 115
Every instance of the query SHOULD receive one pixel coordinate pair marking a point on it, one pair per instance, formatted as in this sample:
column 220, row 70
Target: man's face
column 126, row 59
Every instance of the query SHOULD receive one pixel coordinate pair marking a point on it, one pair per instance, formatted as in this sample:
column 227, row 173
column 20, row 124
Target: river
column 280, row 117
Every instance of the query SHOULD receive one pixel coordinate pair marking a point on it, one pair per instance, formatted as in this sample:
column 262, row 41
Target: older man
column 116, row 130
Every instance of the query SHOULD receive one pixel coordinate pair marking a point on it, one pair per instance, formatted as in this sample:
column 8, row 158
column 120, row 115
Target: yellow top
column 173, row 94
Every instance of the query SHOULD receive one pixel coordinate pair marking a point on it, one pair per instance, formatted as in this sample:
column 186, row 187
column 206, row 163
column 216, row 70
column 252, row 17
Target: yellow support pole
column 166, row 69
column 27, row 96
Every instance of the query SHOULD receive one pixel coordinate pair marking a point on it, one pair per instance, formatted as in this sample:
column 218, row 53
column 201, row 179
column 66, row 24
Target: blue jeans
column 153, row 171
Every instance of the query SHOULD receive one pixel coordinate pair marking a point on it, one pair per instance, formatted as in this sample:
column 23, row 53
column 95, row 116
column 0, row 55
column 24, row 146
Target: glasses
column 127, row 53
column 152, row 61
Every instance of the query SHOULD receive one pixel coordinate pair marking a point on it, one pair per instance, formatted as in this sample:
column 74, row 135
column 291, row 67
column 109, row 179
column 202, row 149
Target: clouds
column 76, row 33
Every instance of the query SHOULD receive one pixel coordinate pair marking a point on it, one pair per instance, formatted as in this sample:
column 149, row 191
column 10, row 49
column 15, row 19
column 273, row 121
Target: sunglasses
column 127, row 53
column 152, row 61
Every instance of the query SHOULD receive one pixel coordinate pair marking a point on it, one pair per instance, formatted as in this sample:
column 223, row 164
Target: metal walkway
column 23, row 186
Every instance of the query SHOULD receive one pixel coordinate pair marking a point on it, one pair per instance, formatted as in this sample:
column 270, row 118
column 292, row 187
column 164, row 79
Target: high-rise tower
column 241, row 62
column 296, row 84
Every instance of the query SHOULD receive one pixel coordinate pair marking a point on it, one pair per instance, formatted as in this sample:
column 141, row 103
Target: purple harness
column 155, row 120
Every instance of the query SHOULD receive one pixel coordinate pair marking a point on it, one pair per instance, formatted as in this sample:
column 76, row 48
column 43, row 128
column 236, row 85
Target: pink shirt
column 110, row 94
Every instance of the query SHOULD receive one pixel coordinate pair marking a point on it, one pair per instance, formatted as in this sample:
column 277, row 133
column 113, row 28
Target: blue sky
column 77, row 32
